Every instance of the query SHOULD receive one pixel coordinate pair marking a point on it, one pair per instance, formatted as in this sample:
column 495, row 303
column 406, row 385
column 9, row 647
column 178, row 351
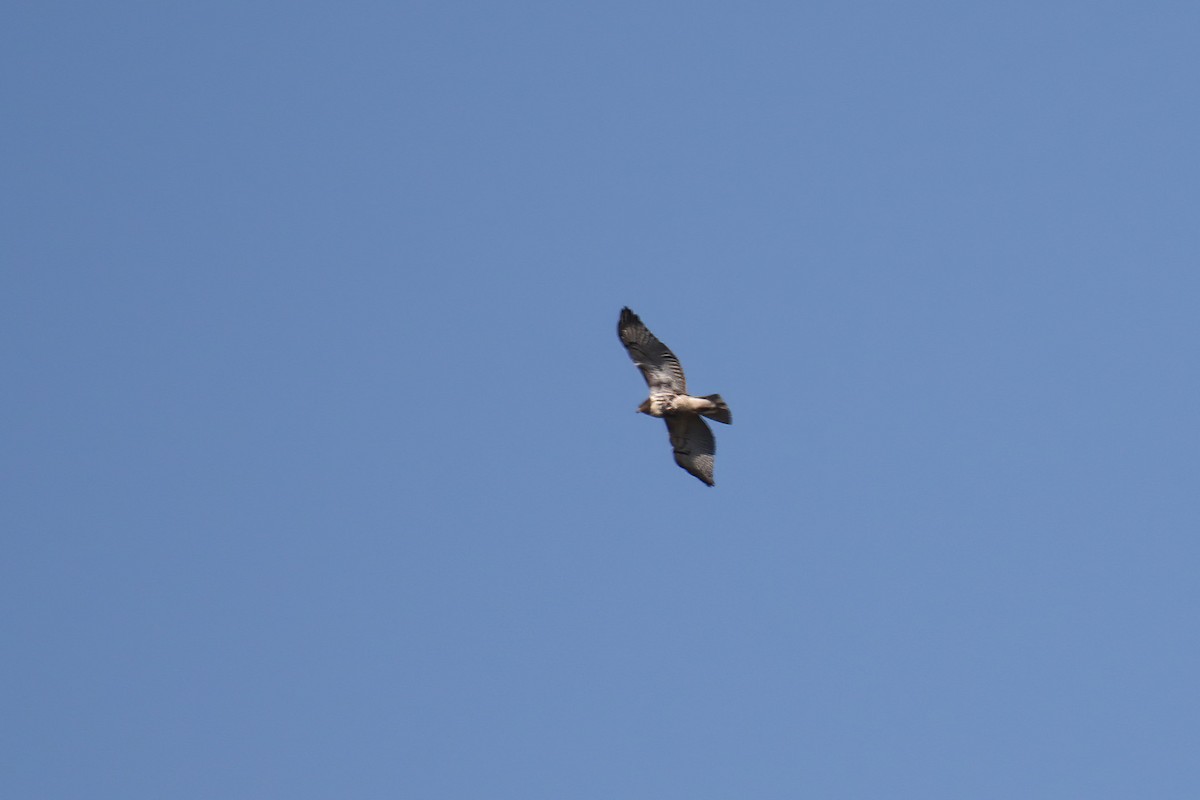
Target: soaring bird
column 690, row 437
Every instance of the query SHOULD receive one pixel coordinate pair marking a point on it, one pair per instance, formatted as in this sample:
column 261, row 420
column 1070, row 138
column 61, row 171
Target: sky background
column 321, row 473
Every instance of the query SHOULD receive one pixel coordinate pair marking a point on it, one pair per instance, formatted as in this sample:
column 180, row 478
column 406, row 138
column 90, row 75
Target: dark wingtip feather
column 628, row 322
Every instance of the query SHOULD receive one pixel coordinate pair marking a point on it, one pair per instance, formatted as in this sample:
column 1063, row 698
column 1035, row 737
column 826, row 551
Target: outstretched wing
column 658, row 364
column 694, row 445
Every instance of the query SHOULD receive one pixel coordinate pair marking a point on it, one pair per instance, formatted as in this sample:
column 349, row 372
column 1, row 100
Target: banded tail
column 721, row 412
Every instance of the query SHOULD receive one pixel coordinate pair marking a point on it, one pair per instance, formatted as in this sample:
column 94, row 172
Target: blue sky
column 321, row 472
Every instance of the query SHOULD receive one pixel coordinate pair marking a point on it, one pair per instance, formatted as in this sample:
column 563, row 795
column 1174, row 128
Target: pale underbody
column 662, row 405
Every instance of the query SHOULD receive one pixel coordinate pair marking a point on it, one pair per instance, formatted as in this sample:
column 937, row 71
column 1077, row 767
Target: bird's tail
column 720, row 412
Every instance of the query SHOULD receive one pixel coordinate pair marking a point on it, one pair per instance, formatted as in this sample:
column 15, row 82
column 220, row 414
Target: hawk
column 690, row 437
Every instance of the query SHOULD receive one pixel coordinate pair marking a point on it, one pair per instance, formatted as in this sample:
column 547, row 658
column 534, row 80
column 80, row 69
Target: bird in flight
column 690, row 437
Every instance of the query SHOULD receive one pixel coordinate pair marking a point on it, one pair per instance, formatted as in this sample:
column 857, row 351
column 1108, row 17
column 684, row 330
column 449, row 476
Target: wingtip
column 628, row 321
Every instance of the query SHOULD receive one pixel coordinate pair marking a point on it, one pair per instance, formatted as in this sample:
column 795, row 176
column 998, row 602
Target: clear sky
column 321, row 471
